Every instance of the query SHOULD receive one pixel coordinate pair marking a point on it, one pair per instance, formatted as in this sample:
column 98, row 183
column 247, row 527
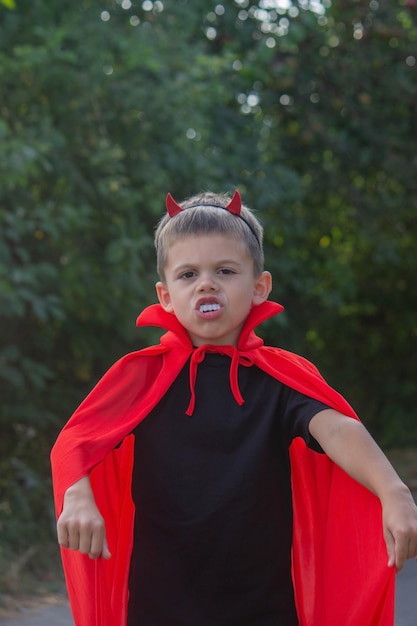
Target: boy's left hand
column 399, row 514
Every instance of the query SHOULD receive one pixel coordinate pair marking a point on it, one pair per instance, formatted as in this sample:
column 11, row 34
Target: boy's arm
column 347, row 442
column 80, row 525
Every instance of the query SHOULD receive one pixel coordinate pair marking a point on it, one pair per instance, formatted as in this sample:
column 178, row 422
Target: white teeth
column 206, row 308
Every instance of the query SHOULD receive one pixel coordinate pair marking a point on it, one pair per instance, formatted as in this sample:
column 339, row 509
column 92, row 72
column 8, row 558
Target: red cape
column 339, row 556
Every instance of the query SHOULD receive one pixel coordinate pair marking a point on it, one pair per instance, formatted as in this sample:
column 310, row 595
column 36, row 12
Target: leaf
column 9, row 4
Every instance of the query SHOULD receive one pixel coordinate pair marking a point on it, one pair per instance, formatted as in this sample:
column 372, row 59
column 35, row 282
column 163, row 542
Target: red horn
column 173, row 207
column 235, row 204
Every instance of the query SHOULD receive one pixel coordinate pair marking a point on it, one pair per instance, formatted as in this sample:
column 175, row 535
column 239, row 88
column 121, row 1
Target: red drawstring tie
column 237, row 359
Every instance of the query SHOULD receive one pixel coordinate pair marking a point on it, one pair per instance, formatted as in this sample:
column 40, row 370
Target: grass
column 31, row 579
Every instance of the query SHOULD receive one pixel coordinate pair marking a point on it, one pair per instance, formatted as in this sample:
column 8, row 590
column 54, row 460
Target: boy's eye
column 226, row 270
column 188, row 274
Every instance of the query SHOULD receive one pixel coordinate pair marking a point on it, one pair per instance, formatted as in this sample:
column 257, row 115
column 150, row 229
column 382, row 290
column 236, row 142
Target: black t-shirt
column 213, row 523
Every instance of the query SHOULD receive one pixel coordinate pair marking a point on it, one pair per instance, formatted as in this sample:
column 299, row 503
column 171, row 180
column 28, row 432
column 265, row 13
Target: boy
column 209, row 478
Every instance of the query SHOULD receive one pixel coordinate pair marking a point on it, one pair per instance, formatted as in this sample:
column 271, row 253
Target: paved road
column 53, row 616
column 405, row 615
column 406, row 599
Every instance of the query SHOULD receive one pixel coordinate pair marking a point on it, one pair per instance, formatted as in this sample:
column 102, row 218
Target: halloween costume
column 210, row 491
column 339, row 557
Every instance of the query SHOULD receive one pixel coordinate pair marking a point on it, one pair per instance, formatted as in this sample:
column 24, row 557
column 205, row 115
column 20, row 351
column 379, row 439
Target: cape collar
column 177, row 335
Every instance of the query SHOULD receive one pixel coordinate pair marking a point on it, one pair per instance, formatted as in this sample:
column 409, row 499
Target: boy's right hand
column 80, row 525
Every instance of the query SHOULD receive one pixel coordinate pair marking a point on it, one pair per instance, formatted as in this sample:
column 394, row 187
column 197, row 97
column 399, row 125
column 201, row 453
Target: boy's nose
column 207, row 283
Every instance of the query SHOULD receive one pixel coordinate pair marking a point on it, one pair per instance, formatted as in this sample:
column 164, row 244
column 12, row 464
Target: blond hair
column 202, row 214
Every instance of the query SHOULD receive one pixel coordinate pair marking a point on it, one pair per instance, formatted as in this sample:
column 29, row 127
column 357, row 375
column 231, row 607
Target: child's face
column 211, row 287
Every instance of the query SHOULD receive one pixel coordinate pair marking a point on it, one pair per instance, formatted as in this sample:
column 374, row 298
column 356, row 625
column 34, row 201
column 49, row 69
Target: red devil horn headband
column 234, row 206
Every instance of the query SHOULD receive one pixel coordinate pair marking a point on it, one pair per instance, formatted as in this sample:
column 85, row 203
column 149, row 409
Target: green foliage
column 348, row 131
column 105, row 108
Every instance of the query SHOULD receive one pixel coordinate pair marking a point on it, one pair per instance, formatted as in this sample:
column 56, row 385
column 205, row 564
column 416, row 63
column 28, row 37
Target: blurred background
column 309, row 108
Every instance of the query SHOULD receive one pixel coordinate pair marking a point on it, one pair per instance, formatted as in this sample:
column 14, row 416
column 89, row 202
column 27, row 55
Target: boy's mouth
column 208, row 308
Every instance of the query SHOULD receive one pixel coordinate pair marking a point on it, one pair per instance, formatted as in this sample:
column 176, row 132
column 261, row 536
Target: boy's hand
column 80, row 525
column 400, row 527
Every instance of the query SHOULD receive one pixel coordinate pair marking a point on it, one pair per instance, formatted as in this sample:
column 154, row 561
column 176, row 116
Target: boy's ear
column 263, row 287
column 163, row 296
